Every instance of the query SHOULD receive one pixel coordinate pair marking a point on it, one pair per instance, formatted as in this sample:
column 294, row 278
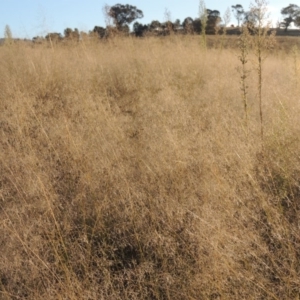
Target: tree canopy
column 188, row 25
column 71, row 34
column 213, row 20
column 291, row 14
column 100, row 31
column 54, row 37
column 124, row 14
column 238, row 12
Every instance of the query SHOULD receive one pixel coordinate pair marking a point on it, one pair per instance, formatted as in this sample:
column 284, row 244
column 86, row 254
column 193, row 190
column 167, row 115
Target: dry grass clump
column 126, row 173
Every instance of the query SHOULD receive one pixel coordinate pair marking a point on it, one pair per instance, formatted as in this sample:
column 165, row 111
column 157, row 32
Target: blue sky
column 28, row 18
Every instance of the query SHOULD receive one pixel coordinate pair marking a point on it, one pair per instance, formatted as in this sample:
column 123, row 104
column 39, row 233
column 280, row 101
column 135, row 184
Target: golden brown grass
column 126, row 173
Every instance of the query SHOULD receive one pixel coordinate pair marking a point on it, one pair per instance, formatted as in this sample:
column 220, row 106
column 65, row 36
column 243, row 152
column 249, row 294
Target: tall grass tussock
column 127, row 172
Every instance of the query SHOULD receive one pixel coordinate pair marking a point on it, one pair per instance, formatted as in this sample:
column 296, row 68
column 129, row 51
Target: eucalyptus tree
column 292, row 15
column 238, row 12
column 123, row 15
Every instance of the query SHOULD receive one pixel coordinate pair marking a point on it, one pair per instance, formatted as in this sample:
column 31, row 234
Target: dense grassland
column 127, row 172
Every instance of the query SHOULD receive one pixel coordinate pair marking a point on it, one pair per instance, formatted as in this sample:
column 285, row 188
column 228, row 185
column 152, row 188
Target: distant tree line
column 187, row 26
column 291, row 14
column 121, row 16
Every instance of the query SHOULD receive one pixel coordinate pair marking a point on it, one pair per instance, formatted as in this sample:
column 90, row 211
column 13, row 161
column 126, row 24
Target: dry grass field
column 127, row 172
